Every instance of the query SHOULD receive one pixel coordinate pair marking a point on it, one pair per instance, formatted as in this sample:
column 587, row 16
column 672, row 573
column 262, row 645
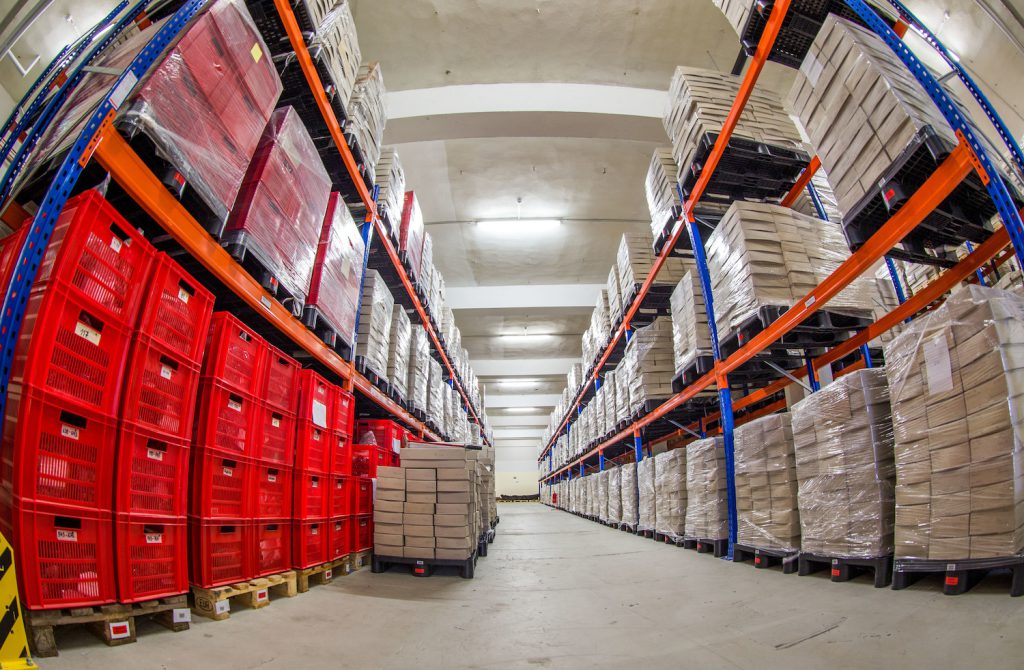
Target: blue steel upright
column 638, row 446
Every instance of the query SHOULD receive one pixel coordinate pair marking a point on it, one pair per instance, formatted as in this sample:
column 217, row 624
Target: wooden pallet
column 360, row 559
column 114, row 624
column 323, row 573
column 215, row 603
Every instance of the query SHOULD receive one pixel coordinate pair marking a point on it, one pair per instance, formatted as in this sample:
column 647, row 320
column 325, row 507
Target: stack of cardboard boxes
column 602, row 495
column 419, row 368
column 615, row 496
column 390, row 179
column 670, row 496
column 367, row 113
column 374, row 334
column 634, row 262
column 956, row 378
column 649, row 363
column 707, row 504
column 630, row 495
column 660, row 187
column 766, row 484
column 398, row 351
column 645, row 476
column 691, row 336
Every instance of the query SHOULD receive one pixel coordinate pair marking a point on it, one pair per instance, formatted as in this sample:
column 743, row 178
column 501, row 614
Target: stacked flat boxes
column 737, row 12
column 390, row 180
column 634, row 262
column 630, row 495
column 367, row 113
column 375, row 313
column 436, row 393
column 614, row 296
column 602, row 495
column 691, row 336
column 955, row 381
column 399, row 343
column 767, row 255
column 646, row 495
column 766, row 484
column 488, row 494
column 699, row 102
column 651, row 364
column 860, row 106
column 335, row 43
column 707, row 504
column 419, row 369
column 660, row 188
column 843, row 440
column 670, row 494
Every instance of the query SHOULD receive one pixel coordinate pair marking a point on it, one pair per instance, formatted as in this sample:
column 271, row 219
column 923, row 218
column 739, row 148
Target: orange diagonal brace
column 802, row 182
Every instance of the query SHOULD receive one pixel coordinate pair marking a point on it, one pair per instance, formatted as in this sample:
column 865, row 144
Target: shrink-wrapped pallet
column 398, row 351
column 419, row 368
column 423, row 280
column 860, row 107
column 623, row 381
column 691, row 336
column 699, row 102
column 634, row 262
column 594, row 495
column 649, row 359
column 602, row 494
column 842, row 436
column 670, row 492
column 707, row 501
column 599, row 321
column 956, row 383
column 766, row 484
column 763, row 255
column 367, row 113
column 436, row 395
column 660, row 188
column 335, row 44
column 574, row 378
column 615, row 495
column 334, row 284
column 614, row 296
column 611, row 401
column 410, row 235
column 645, row 478
column 630, row 495
column 375, row 324
column 389, row 177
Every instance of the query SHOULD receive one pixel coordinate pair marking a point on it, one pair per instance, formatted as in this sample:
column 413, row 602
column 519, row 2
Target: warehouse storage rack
column 99, row 148
column 628, row 443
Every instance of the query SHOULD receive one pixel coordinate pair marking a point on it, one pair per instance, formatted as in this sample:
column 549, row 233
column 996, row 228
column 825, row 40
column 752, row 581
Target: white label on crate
column 115, row 244
column 228, row 472
column 67, row 535
column 166, row 372
column 123, row 88
column 87, row 333
column 184, row 297
column 155, row 454
column 257, row 52
column 328, row 574
column 222, row 607
column 319, row 414
column 261, row 594
column 316, row 435
column 314, row 483
column 235, row 405
column 950, row 567
column 937, row 368
column 396, row 445
column 314, row 530
column 275, row 422
column 271, row 478
column 69, row 432
column 119, row 630
column 181, row 615
column 154, row 538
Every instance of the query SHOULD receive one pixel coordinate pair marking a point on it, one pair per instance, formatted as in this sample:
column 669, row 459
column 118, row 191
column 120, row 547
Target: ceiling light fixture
column 522, row 409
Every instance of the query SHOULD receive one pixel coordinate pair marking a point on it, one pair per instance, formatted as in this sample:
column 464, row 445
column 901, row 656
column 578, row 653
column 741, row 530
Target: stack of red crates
column 60, row 432
column 380, row 441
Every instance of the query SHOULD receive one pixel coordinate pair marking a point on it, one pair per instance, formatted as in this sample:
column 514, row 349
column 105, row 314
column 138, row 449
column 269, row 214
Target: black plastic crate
column 748, row 170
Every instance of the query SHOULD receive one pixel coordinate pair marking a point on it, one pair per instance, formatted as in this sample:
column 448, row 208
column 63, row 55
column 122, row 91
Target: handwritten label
column 275, row 422
column 69, row 432
column 228, row 472
column 67, row 535
column 115, row 244
column 154, row 538
column 256, row 52
column 271, row 478
column 235, row 405
column 87, row 333
column 154, row 454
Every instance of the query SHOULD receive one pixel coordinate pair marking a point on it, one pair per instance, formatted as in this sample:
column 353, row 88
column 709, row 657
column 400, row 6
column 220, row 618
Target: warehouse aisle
column 560, row 592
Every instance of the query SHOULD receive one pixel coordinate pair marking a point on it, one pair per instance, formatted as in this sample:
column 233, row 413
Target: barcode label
column 183, row 295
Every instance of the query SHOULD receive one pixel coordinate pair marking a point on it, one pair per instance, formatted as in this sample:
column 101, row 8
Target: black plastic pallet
column 377, row 380
column 843, row 569
column 708, row 216
column 718, row 548
column 268, row 21
column 424, row 567
column 257, row 263
column 755, row 371
column 765, row 558
column 965, row 215
column 322, row 327
column 748, row 170
column 821, row 329
column 959, row 576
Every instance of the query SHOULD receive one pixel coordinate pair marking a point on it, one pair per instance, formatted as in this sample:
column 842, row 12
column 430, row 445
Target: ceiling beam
column 518, row 367
column 512, row 400
column 523, row 297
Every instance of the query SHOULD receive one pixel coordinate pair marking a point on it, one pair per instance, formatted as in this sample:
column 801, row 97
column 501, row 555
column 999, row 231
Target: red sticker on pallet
column 835, row 572
column 420, row 571
column 119, row 630
column 952, row 581
column 889, row 194
column 757, row 560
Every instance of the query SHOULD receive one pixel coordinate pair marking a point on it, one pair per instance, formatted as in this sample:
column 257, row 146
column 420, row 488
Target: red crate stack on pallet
column 342, row 501
column 58, row 449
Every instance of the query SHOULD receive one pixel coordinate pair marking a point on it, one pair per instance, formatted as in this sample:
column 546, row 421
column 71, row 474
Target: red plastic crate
column 341, row 454
column 273, row 546
column 65, row 557
column 341, row 537
column 177, row 311
column 316, row 399
column 57, row 453
column 234, row 355
column 362, row 496
column 160, row 389
column 342, row 494
column 281, row 380
column 151, row 473
column 276, row 443
column 227, row 420
column 152, row 557
column 313, row 448
column 386, row 434
column 362, row 464
column 344, row 412
column 312, row 495
column 311, row 540
column 273, row 489
column 221, row 486
column 70, row 349
column 362, row 532
column 100, row 257
column 220, row 552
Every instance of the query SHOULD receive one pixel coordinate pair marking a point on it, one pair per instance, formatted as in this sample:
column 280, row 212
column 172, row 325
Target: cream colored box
column 421, row 486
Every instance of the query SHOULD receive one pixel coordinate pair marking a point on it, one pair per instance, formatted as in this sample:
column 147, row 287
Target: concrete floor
column 561, row 592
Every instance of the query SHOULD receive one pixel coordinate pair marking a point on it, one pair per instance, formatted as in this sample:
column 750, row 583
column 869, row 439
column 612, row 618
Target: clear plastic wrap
column 375, row 323
column 691, row 336
column 206, row 105
column 603, row 483
column 336, row 44
column 398, row 351
column 634, row 262
column 435, row 397
column 279, row 213
column 842, row 436
column 425, row 278
column 670, row 492
column 699, row 102
column 419, row 368
column 956, row 383
column 766, row 255
column 860, row 106
column 411, row 235
column 660, row 188
column 367, row 113
column 615, row 495
column 630, row 495
column 766, row 484
column 645, row 478
column 826, row 196
column 390, row 180
column 707, row 497
column 337, row 270
column 652, row 364
column 574, row 377
column 614, row 296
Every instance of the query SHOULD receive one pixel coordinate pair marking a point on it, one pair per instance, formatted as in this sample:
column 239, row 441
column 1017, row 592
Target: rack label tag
column 123, row 88
column 165, row 372
column 154, row 538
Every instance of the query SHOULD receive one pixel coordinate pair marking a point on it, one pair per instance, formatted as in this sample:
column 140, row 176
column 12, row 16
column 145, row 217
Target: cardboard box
column 391, row 483
column 388, row 506
column 418, row 508
column 415, row 452
column 452, row 554
column 452, row 486
column 452, row 508
column 420, row 474
column 387, row 517
column 419, row 552
column 393, row 550
column 421, row 486
column 421, row 498
column 387, row 494
column 454, row 497
column 418, row 531
column 452, row 531
column 451, row 520
column 389, row 472
column 417, row 541
column 455, row 543
column 451, row 474
column 418, row 519
column 387, row 539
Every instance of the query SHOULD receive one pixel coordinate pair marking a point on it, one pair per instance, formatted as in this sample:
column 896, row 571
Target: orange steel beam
column 802, row 182
column 760, row 57
column 135, row 177
column 776, row 406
